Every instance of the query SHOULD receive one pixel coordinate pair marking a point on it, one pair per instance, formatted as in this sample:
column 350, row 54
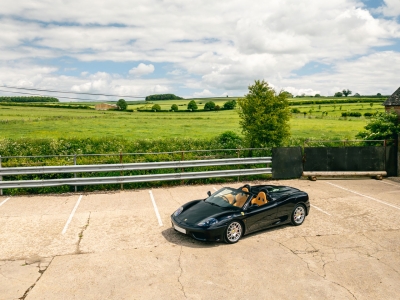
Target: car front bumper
column 213, row 234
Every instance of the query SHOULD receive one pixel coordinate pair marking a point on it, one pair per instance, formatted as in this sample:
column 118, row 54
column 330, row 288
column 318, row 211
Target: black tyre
column 298, row 215
column 233, row 232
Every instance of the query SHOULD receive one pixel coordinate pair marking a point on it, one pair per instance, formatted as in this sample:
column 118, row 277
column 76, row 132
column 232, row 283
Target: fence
column 123, row 167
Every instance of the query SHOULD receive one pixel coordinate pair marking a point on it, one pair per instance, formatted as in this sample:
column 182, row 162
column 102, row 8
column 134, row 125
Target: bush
column 230, row 104
column 192, row 105
column 174, row 107
column 156, row 107
column 209, row 105
column 368, row 114
column 338, row 94
column 351, row 114
column 122, row 105
column 230, row 140
column 295, row 111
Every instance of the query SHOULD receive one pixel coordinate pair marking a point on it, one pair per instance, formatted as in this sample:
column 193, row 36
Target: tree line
column 162, row 97
column 27, row 99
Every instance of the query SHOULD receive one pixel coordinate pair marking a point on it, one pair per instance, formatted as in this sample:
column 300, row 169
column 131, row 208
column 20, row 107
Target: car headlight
column 208, row 222
column 178, row 211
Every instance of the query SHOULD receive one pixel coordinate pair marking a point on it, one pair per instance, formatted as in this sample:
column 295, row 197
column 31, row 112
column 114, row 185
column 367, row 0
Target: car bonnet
column 198, row 212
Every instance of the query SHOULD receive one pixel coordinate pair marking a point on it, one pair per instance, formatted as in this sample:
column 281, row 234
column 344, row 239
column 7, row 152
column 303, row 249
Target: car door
column 261, row 217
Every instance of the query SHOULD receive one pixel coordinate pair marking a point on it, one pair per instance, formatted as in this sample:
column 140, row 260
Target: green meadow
column 320, row 121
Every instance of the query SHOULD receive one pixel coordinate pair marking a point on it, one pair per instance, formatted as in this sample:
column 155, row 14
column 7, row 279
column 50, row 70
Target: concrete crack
column 180, row 274
column 314, row 272
column 41, row 272
column 78, row 250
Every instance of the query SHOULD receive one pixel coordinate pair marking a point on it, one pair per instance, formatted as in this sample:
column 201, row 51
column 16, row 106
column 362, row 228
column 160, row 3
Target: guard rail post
column 122, row 172
column 76, row 187
column 182, row 169
column 1, row 178
column 238, row 153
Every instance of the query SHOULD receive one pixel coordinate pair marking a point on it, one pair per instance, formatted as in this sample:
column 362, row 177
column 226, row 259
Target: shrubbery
column 351, row 114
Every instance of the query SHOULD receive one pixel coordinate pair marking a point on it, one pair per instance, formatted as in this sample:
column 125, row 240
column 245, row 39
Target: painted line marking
column 317, row 208
column 354, row 192
column 215, row 189
column 71, row 215
column 4, row 201
column 155, row 208
column 391, row 183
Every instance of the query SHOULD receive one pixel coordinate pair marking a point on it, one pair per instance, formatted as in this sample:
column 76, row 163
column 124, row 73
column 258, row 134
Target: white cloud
column 204, row 93
column 219, row 47
column 142, row 69
column 302, row 91
column 391, row 8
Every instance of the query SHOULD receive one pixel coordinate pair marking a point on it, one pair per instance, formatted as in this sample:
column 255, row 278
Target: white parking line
column 354, row 192
column 317, row 208
column 155, row 208
column 4, row 201
column 215, row 189
column 71, row 215
column 390, row 183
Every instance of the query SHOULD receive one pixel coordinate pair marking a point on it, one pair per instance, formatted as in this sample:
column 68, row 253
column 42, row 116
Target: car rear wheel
column 233, row 232
column 298, row 215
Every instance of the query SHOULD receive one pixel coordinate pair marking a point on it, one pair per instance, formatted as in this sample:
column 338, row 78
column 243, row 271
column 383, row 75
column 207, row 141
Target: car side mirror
column 209, row 193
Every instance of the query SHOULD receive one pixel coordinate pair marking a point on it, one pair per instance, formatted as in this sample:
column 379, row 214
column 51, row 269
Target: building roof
column 393, row 100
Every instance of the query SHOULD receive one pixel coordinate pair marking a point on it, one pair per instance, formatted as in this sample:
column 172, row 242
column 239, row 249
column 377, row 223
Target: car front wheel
column 233, row 232
column 298, row 215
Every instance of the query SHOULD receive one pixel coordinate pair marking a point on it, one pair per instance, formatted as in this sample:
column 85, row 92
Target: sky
column 197, row 48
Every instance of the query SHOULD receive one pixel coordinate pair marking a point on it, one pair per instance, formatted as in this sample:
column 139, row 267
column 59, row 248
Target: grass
column 41, row 122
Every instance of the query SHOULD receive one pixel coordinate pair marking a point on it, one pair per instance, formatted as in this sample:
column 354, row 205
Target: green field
column 43, row 122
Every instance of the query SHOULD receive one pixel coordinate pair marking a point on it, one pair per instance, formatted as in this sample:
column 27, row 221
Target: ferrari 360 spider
column 230, row 213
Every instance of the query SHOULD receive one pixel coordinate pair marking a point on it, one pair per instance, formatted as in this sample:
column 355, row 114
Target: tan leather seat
column 260, row 199
column 230, row 198
column 245, row 189
column 241, row 199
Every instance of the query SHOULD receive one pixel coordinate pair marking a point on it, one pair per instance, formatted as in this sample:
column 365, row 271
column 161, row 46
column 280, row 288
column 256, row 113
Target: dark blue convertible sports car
column 230, row 213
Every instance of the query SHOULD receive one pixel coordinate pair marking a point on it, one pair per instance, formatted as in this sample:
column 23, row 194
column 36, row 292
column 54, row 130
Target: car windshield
column 228, row 197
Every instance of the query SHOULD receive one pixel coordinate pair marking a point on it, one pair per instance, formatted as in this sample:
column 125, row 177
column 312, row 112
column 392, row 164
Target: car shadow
column 177, row 238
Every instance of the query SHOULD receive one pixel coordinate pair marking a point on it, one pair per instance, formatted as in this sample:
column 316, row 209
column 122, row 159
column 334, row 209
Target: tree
column 122, row 105
column 346, row 92
column 338, row 94
column 230, row 104
column 174, row 107
column 382, row 126
column 379, row 94
column 192, row 105
column 156, row 107
column 264, row 116
column 209, row 105
column 317, row 95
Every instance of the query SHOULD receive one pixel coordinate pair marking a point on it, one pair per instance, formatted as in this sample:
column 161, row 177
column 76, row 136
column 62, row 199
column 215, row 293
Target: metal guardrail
column 130, row 179
column 133, row 166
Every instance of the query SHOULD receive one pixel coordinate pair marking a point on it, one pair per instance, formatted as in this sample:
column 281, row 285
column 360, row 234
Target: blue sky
column 199, row 48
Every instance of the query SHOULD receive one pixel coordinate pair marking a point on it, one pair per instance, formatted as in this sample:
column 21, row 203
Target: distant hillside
column 28, row 99
column 162, row 97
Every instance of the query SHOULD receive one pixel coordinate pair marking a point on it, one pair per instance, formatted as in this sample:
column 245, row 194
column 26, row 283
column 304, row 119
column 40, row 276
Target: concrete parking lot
column 121, row 245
